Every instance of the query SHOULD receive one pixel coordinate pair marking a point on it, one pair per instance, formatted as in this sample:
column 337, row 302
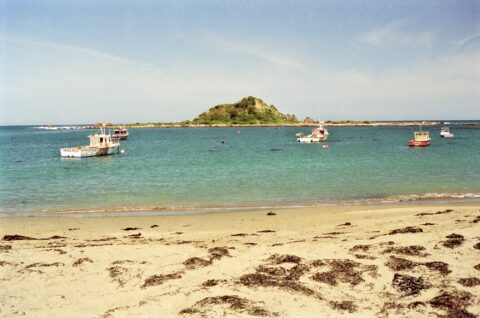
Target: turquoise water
column 190, row 167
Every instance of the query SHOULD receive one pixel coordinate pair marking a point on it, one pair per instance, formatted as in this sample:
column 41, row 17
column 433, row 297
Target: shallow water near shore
column 191, row 168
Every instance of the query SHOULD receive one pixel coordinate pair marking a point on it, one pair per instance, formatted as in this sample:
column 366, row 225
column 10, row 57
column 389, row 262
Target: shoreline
column 465, row 199
column 353, row 261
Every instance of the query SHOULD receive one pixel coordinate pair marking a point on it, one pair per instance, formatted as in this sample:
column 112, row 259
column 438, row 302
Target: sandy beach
column 358, row 261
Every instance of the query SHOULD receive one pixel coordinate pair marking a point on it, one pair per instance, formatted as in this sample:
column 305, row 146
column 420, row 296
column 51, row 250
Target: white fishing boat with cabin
column 101, row 144
column 445, row 133
column 318, row 134
column 120, row 133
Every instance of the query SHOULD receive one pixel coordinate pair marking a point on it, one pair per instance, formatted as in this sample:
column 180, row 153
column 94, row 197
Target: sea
column 199, row 169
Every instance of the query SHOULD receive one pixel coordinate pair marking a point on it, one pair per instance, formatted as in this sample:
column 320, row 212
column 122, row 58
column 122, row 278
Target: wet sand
column 359, row 261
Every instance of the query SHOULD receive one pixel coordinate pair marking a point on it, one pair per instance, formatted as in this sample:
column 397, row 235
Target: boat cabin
column 421, row 136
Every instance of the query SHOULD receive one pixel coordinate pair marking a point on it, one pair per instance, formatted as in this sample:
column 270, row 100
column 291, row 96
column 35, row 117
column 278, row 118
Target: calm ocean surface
column 184, row 168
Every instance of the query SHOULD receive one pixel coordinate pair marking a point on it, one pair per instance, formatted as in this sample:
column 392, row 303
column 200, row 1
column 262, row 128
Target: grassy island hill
column 249, row 110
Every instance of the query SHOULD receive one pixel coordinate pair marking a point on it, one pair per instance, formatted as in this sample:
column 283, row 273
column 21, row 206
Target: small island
column 254, row 112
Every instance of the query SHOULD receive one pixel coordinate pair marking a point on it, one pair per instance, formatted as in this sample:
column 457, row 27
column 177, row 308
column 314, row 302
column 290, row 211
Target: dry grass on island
column 376, row 261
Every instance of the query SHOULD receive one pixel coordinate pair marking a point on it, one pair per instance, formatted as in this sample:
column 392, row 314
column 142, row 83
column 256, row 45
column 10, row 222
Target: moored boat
column 101, row 144
column 120, row 133
column 318, row 134
column 420, row 139
column 445, row 133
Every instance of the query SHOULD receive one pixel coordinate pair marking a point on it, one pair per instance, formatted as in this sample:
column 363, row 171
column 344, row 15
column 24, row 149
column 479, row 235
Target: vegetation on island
column 249, row 110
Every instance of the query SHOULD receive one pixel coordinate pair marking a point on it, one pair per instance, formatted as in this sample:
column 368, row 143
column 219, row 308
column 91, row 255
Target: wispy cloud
column 263, row 52
column 467, row 39
column 69, row 48
column 394, row 35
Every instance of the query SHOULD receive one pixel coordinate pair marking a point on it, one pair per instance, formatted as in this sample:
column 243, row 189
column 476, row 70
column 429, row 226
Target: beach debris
column 477, row 267
column 361, row 247
column 16, row 237
column 271, row 213
column 428, row 224
column 345, row 224
column 131, row 229
column 454, row 302
column 80, row 261
column 477, row 246
column 441, row 267
column 363, row 256
column 229, row 304
column 153, row 226
column 218, row 252
column 415, row 304
column 120, row 272
column 160, row 279
column 454, row 240
column 279, row 259
column 344, row 271
column 135, row 236
column 408, row 229
column 409, row 285
column 333, row 233
column 59, row 251
column 213, row 282
column 73, row 229
column 266, row 231
column 281, row 282
column 400, row 264
column 250, row 243
column 469, row 282
column 240, row 234
column 34, row 265
column 346, row 305
column 434, row 213
column 5, row 247
column 196, row 262
column 412, row 250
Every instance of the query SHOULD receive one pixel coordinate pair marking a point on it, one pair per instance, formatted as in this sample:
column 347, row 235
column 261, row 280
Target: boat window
column 101, row 139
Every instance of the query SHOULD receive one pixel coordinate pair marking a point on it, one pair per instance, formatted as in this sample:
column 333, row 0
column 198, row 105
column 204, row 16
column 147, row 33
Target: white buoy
column 122, row 151
column 325, row 146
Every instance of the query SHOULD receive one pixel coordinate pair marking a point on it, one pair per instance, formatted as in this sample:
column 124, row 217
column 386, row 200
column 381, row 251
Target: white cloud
column 394, row 35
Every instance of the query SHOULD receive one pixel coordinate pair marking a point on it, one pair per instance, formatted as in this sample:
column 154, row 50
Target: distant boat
column 445, row 133
column 101, row 144
column 120, row 133
column 420, row 139
column 318, row 134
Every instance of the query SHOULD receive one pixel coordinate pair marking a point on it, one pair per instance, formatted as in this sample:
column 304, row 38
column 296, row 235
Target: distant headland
column 254, row 112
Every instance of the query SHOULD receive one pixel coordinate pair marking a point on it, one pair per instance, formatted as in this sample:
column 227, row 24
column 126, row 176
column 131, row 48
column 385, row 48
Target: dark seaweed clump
column 271, row 213
column 233, row 303
column 160, row 279
column 345, row 305
column 400, row 264
column 469, row 282
column 412, row 250
column 344, row 271
column 80, row 261
column 408, row 229
column 196, row 262
column 454, row 303
column 454, row 240
column 279, row 259
column 438, row 266
column 409, row 285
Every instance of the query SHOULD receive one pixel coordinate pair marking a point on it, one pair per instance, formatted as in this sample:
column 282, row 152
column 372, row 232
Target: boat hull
column 413, row 143
column 449, row 135
column 84, row 152
column 308, row 140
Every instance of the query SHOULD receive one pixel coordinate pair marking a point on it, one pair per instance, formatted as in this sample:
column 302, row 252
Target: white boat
column 445, row 132
column 120, row 133
column 101, row 144
column 318, row 134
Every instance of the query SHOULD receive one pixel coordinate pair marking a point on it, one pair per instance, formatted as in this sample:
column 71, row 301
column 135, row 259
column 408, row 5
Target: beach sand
column 358, row 261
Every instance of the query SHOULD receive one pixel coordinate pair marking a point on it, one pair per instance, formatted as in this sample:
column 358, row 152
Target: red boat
column 420, row 139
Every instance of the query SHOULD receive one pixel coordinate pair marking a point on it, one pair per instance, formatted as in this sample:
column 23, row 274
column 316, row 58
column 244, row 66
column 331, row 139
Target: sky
column 67, row 62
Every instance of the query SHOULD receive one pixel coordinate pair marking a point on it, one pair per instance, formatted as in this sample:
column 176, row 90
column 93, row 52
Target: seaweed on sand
column 408, row 229
column 345, row 305
column 454, row 302
column 469, row 282
column 409, row 285
column 279, row 259
column 160, row 279
column 80, row 261
column 412, row 250
column 344, row 271
column 230, row 303
column 196, row 262
column 400, row 264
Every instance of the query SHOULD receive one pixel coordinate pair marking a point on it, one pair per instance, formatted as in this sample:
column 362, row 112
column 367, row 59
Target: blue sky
column 158, row 61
